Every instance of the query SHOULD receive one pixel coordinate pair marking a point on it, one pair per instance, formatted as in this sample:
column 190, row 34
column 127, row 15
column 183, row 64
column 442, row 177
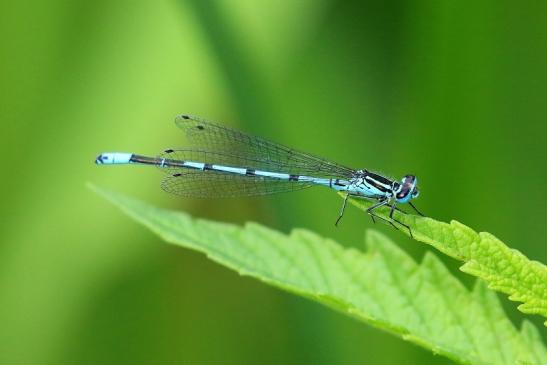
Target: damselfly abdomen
column 224, row 162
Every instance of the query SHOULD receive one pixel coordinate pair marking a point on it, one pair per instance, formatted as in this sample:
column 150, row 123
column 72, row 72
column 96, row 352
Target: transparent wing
column 209, row 184
column 235, row 159
column 263, row 153
column 212, row 184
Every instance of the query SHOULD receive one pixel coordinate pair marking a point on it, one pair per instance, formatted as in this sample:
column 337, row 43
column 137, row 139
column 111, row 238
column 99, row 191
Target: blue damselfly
column 228, row 163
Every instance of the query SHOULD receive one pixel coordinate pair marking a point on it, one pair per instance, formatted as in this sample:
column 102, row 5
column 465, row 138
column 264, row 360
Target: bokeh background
column 454, row 92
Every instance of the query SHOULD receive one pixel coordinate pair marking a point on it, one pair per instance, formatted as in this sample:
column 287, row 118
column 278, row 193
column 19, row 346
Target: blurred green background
column 454, row 92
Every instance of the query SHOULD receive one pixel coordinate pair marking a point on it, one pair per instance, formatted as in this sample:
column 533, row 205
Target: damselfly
column 228, row 163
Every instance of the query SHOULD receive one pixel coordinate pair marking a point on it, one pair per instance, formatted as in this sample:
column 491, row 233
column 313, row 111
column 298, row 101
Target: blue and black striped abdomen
column 219, row 175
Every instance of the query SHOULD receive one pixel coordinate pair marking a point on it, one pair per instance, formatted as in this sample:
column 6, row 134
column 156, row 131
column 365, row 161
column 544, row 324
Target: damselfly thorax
column 228, row 163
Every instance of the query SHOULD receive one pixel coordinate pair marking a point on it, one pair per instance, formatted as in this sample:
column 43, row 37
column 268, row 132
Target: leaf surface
column 504, row 269
column 382, row 286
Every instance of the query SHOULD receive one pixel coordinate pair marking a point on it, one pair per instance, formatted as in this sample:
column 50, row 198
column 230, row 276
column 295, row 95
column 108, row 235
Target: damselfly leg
column 373, row 215
column 416, row 209
column 400, row 210
column 392, row 210
column 342, row 210
column 391, row 219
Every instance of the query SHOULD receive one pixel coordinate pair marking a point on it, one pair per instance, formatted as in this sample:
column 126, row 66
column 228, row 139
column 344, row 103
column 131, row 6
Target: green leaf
column 504, row 269
column 421, row 303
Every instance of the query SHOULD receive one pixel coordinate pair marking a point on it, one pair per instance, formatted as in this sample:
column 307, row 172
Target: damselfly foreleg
column 393, row 208
column 416, row 209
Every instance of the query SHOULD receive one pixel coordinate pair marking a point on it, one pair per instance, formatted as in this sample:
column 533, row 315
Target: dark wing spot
column 200, row 127
column 176, row 175
column 169, row 151
column 185, row 117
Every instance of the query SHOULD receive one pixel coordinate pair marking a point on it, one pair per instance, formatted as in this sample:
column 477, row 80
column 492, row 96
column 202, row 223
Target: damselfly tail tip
column 110, row 158
column 100, row 159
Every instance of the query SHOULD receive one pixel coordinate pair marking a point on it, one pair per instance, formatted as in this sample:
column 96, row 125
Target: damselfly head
column 408, row 189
